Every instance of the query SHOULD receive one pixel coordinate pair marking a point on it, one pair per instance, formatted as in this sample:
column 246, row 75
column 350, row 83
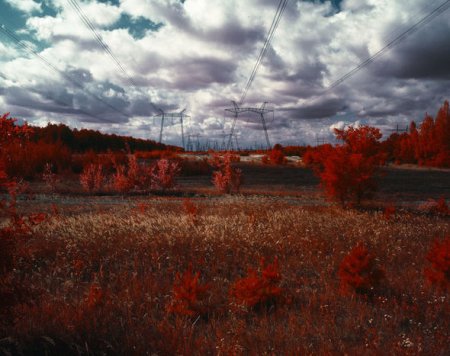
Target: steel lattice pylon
column 236, row 110
column 172, row 115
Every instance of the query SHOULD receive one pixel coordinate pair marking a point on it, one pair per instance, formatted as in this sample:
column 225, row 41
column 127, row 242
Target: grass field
column 118, row 275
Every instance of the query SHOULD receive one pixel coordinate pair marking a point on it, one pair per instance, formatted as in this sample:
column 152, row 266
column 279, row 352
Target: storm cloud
column 199, row 54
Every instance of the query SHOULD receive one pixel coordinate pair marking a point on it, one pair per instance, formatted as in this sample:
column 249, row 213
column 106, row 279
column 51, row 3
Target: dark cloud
column 79, row 75
column 210, row 66
column 234, row 34
column 323, row 109
column 423, row 55
column 197, row 73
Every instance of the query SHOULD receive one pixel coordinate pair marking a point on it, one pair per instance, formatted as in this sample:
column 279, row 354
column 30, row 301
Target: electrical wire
column 103, row 45
column 414, row 28
column 276, row 20
column 30, row 50
column 99, row 39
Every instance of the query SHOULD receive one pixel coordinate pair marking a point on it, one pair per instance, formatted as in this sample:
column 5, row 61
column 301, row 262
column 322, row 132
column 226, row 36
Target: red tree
column 358, row 273
column 347, row 172
column 439, row 257
column 253, row 290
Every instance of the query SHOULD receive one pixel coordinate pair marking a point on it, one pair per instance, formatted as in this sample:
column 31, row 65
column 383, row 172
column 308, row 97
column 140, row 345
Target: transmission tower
column 261, row 111
column 398, row 129
column 172, row 115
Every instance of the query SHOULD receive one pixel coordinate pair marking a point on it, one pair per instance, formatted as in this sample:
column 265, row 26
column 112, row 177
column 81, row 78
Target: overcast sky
column 199, row 54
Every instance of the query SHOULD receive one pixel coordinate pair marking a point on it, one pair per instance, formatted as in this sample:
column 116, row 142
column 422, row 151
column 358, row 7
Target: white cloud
column 203, row 54
column 25, row 5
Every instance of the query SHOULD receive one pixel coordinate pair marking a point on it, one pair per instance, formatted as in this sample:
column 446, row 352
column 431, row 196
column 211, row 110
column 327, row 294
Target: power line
column 99, row 39
column 29, row 49
column 62, row 103
column 414, row 28
column 280, row 9
column 103, row 45
column 395, row 41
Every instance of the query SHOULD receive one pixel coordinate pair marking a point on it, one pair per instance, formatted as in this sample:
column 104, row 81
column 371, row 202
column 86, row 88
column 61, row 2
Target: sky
column 198, row 55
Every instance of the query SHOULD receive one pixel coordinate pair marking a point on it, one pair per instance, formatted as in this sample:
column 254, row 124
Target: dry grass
column 101, row 282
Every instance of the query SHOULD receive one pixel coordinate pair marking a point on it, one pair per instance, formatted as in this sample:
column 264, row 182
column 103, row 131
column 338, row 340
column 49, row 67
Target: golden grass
column 132, row 258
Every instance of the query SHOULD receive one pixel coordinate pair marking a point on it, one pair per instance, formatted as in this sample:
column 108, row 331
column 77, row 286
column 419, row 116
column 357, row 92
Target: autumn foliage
column 438, row 274
column 358, row 272
column 189, row 294
column 92, row 178
column 275, row 156
column 226, row 178
column 117, row 277
column 347, row 172
column 426, row 145
column 257, row 290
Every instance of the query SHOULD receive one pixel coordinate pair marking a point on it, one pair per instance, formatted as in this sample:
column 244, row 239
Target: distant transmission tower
column 398, row 129
column 172, row 115
column 261, row 111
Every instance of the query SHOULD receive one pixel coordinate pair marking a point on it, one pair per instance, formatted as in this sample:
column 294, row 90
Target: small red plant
column 188, row 294
column 96, row 296
column 50, row 178
column 92, row 178
column 254, row 290
column 439, row 257
column 190, row 209
column 121, row 183
column 389, row 211
column 358, row 273
column 347, row 172
column 227, row 178
column 276, row 156
column 163, row 174
column 441, row 207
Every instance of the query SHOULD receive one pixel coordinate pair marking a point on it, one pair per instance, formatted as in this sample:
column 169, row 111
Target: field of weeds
column 229, row 275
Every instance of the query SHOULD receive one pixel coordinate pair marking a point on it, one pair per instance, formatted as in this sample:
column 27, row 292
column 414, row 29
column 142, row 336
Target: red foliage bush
column 429, row 145
column 439, row 257
column 189, row 295
column 389, row 210
column 92, row 178
column 190, row 209
column 275, row 156
column 163, row 174
column 441, row 207
column 120, row 181
column 256, row 291
column 347, row 172
column 358, row 273
column 228, row 178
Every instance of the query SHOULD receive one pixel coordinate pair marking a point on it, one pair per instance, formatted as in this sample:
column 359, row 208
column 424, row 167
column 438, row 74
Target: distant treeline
column 91, row 140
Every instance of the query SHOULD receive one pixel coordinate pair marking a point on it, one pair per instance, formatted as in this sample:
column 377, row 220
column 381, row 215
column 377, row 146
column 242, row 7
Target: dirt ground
column 397, row 183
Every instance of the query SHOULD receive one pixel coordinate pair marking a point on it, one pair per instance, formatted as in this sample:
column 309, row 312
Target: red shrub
column 441, row 207
column 275, row 156
column 439, row 257
column 96, row 296
column 389, row 210
column 120, row 181
column 163, row 174
column 357, row 272
column 227, row 179
column 190, row 208
column 256, row 291
column 189, row 295
column 92, row 178
column 347, row 172
column 49, row 177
